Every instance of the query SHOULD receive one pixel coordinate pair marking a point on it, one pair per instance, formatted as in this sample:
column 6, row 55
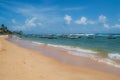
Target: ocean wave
column 76, row 50
column 114, row 56
column 15, row 37
column 87, row 53
column 109, row 62
column 72, row 50
column 84, row 52
column 37, row 43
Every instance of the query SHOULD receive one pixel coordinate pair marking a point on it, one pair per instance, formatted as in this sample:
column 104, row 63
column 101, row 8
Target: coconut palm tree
column 4, row 30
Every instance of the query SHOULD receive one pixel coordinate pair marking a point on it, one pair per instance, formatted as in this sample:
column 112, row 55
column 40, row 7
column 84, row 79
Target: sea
column 102, row 47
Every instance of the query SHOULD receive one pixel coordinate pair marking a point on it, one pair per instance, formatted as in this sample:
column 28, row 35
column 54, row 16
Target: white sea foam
column 88, row 34
column 78, row 53
column 114, row 56
column 16, row 37
column 72, row 50
column 87, row 53
column 37, row 43
column 109, row 62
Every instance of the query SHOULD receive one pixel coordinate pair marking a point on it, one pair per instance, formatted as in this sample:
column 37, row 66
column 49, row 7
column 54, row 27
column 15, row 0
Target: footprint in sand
column 2, row 51
column 24, row 62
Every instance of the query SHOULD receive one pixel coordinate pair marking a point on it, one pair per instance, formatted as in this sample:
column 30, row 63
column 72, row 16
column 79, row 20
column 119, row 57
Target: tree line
column 5, row 31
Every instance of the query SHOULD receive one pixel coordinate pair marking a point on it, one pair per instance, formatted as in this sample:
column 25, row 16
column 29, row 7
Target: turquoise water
column 100, row 43
column 87, row 47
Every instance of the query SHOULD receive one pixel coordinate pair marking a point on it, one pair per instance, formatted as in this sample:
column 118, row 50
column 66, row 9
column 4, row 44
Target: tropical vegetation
column 4, row 30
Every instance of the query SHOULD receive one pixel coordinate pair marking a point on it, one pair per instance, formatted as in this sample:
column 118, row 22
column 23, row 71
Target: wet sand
column 17, row 63
column 62, row 55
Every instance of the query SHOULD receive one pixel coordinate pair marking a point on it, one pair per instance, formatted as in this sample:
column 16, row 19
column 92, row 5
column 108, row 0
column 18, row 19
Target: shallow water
column 79, row 57
column 94, row 48
column 99, row 44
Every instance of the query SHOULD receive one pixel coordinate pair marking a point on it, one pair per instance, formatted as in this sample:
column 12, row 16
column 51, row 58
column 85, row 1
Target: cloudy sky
column 61, row 16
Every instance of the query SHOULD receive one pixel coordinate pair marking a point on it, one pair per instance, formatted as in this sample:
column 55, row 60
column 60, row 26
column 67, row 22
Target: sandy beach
column 17, row 63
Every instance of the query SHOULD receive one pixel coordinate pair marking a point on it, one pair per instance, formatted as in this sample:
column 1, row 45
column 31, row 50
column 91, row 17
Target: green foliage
column 4, row 30
column 18, row 32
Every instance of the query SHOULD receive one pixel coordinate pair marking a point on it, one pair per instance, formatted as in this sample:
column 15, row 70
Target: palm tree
column 4, row 30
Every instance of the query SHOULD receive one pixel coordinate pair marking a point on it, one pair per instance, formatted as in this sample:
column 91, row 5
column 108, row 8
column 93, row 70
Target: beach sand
column 17, row 63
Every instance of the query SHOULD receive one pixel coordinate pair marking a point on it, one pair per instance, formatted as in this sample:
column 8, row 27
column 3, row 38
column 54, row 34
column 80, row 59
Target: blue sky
column 61, row 16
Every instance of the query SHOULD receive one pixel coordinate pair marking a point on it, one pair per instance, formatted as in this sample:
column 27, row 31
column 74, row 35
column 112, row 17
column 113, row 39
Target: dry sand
column 18, row 63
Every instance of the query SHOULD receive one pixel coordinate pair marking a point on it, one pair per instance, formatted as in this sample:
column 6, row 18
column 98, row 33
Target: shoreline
column 18, row 63
column 62, row 55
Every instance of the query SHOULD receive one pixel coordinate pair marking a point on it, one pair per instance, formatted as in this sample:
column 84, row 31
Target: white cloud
column 116, row 26
column 82, row 20
column 91, row 22
column 102, row 18
column 73, row 8
column 31, row 22
column 13, row 21
column 68, row 19
column 106, row 25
